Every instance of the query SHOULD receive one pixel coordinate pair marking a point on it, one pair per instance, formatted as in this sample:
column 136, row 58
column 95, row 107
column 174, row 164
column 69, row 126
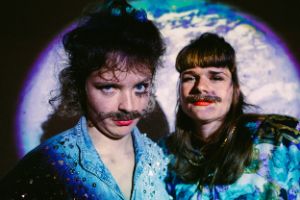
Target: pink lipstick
column 123, row 122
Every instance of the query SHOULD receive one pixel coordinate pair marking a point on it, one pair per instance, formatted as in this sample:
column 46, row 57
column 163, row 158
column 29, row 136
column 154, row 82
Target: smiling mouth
column 123, row 122
column 202, row 103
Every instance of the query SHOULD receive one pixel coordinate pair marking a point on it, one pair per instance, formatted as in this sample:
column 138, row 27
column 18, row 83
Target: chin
column 116, row 134
column 204, row 116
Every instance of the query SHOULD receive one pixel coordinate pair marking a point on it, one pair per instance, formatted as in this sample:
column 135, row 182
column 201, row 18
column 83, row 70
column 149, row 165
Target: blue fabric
column 70, row 167
column 273, row 174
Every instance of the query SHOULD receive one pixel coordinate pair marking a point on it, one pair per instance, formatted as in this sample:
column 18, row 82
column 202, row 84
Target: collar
column 90, row 160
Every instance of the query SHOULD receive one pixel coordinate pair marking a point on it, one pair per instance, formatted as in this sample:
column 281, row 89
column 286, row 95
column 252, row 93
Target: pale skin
column 118, row 156
column 124, row 92
column 213, row 81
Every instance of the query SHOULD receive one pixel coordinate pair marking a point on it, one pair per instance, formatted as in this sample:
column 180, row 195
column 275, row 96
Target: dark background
column 28, row 26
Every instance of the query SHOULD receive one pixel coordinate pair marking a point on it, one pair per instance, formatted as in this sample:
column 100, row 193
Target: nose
column 202, row 85
column 126, row 102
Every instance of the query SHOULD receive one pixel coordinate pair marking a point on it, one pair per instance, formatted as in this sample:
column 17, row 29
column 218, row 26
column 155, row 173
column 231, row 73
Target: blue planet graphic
column 267, row 71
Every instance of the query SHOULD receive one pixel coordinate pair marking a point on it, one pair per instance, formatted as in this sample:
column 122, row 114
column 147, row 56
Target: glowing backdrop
column 268, row 74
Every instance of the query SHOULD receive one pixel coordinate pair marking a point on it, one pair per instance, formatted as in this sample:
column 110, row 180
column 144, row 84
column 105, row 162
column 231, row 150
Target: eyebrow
column 189, row 72
column 113, row 82
column 216, row 72
column 213, row 72
column 148, row 79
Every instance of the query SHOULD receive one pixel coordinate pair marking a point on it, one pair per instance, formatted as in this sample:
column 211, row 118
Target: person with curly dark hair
column 217, row 150
column 113, row 55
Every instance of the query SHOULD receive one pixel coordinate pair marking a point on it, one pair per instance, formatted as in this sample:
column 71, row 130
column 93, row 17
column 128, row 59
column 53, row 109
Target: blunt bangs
column 206, row 53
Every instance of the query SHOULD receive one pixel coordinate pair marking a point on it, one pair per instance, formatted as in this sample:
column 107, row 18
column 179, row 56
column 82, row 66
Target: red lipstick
column 202, row 103
column 123, row 122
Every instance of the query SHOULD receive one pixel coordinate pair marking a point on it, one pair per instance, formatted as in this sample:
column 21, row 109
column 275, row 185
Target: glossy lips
column 123, row 122
column 202, row 103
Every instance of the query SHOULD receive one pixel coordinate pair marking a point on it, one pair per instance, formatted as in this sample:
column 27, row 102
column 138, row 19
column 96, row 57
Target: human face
column 116, row 100
column 206, row 93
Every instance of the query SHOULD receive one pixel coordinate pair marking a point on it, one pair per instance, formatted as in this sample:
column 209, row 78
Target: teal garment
column 68, row 166
column 273, row 174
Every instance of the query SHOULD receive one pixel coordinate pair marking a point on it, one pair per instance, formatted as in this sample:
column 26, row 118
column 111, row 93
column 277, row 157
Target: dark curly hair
column 107, row 36
column 220, row 160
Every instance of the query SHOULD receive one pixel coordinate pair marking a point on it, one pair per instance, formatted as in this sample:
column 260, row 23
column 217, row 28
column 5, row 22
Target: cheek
column 228, row 96
column 182, row 95
column 143, row 102
column 96, row 103
column 96, row 107
column 185, row 89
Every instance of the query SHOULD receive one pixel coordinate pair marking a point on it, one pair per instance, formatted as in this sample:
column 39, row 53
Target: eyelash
column 145, row 91
column 138, row 93
column 188, row 78
column 213, row 78
column 217, row 78
column 104, row 87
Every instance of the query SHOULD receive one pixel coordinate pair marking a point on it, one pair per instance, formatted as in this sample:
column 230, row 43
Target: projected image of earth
column 268, row 75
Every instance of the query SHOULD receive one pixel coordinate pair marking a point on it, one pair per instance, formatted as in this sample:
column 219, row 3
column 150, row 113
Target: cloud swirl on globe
column 267, row 71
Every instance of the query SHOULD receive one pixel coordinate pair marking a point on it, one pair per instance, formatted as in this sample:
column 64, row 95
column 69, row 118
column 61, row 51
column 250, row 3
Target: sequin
column 61, row 162
column 150, row 173
column 81, row 172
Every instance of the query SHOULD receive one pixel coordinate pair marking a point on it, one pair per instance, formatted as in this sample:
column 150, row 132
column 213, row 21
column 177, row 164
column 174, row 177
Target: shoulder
column 152, row 148
column 39, row 156
column 34, row 175
column 275, row 129
column 38, row 172
column 65, row 136
column 154, row 156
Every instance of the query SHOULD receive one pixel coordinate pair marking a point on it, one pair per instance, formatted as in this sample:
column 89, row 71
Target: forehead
column 120, row 76
column 119, row 61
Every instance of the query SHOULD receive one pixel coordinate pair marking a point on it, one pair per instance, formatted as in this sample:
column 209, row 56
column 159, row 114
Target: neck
column 106, row 145
column 205, row 130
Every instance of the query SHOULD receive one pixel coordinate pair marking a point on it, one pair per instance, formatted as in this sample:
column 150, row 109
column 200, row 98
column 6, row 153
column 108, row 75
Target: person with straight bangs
column 113, row 56
column 217, row 150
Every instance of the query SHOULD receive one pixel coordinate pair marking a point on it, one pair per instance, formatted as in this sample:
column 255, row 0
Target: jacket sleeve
column 284, row 129
column 32, row 178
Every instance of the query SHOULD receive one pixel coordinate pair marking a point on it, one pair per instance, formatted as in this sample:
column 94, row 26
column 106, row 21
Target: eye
column 188, row 79
column 106, row 88
column 216, row 78
column 141, row 88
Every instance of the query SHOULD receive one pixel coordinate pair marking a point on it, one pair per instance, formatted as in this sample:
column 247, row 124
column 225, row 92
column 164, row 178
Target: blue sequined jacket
column 67, row 166
column 273, row 174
